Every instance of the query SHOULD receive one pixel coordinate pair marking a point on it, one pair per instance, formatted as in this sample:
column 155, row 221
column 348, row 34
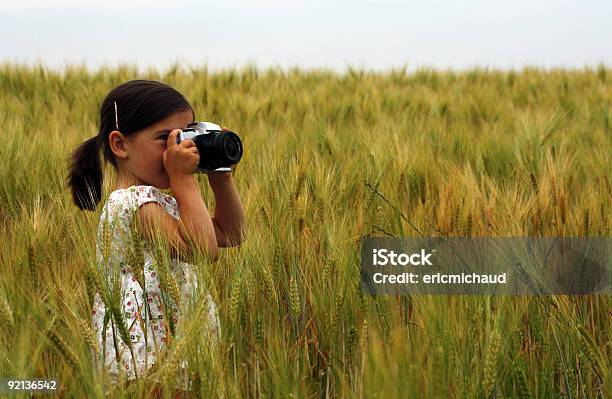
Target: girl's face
column 145, row 150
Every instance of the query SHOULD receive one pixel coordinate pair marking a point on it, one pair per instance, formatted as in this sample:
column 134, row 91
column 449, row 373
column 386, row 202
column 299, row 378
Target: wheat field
column 329, row 158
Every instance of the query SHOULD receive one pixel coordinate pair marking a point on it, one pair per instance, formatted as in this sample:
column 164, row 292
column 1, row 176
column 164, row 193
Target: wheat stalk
column 586, row 223
column 269, row 280
column 553, row 182
column 106, row 240
column 32, row 262
column 64, row 350
column 136, row 255
column 114, row 307
column 6, row 313
column 235, row 298
column 562, row 207
column 167, row 282
column 423, row 188
column 278, row 262
column 329, row 262
column 337, row 309
column 523, row 389
column 363, row 338
column 605, row 226
column 490, row 366
column 455, row 219
column 171, row 363
column 294, row 297
column 258, row 332
column 534, row 182
column 351, row 341
column 94, row 276
column 250, row 287
column 189, row 330
column 88, row 335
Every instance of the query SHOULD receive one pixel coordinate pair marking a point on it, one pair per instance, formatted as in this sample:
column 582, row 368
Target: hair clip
column 116, row 118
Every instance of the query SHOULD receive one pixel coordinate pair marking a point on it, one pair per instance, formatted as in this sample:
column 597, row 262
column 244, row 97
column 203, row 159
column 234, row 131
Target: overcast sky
column 372, row 34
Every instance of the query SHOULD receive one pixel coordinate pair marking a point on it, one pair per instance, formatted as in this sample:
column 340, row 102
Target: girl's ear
column 118, row 144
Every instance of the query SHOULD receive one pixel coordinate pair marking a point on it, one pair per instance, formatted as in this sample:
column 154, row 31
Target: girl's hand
column 180, row 159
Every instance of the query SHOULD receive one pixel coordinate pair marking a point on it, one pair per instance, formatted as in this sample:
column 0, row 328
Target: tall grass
column 328, row 159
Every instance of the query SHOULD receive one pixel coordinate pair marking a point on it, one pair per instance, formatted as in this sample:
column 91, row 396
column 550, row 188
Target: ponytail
column 85, row 176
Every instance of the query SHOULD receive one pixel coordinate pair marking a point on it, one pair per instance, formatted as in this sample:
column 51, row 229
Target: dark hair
column 140, row 103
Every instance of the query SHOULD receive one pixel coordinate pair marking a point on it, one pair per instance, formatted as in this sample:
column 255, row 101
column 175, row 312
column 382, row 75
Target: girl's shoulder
column 127, row 200
column 141, row 192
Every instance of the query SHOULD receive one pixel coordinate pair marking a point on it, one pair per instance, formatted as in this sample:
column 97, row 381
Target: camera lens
column 218, row 149
column 232, row 147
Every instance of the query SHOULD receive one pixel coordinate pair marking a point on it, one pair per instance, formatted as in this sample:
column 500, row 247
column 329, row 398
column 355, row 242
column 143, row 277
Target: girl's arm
column 195, row 229
column 229, row 216
column 195, row 223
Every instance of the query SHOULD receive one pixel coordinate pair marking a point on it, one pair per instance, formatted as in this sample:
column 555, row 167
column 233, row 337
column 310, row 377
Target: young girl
column 139, row 123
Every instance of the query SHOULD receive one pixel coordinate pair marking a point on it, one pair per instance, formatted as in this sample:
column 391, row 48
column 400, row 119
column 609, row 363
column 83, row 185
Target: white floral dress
column 119, row 209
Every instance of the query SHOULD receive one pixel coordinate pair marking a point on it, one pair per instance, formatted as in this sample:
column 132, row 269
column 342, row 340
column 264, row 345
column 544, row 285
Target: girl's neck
column 126, row 180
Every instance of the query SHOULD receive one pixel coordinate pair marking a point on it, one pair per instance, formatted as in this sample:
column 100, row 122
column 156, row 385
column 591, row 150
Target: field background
column 328, row 159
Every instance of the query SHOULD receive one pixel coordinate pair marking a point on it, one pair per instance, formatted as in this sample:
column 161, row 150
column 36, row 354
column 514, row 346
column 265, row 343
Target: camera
column 218, row 149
